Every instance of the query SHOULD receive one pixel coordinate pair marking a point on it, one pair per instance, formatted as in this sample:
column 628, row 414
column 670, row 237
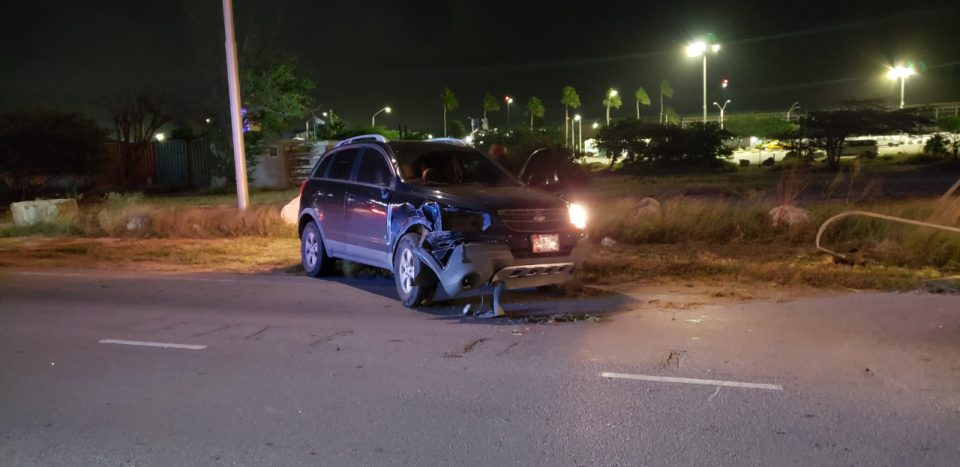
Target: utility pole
column 236, row 120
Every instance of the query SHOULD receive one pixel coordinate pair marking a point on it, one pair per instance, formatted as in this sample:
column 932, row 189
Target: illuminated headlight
column 578, row 215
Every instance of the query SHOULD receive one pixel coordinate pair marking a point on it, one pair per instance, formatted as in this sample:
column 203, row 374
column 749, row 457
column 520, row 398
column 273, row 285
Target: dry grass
column 744, row 264
column 245, row 254
column 741, row 223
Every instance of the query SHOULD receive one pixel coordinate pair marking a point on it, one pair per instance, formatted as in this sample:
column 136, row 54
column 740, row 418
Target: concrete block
column 290, row 212
column 44, row 211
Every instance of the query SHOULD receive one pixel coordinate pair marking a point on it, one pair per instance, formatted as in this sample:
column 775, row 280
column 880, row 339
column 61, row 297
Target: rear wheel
column 416, row 283
column 313, row 255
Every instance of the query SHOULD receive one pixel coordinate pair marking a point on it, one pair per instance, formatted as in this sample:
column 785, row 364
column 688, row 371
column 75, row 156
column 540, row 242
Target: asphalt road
column 293, row 371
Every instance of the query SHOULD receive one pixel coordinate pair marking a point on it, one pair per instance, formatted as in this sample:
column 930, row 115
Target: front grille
column 534, row 220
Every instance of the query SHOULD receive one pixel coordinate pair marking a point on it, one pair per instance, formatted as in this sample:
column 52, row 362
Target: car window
column 342, row 164
column 445, row 166
column 322, row 167
column 374, row 169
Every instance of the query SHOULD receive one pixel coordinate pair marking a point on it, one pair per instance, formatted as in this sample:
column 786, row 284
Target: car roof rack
column 360, row 139
column 456, row 141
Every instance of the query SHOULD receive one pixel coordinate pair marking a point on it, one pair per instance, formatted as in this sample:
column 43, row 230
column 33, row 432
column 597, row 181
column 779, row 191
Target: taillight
column 302, row 186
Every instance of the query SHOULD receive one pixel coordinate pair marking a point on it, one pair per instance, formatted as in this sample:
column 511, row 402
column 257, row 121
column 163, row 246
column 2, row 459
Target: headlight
column 578, row 215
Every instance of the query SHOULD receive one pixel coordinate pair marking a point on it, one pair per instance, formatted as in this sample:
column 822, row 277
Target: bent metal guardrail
column 846, row 214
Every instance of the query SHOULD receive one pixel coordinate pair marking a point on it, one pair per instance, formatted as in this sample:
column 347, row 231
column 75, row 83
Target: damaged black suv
column 435, row 213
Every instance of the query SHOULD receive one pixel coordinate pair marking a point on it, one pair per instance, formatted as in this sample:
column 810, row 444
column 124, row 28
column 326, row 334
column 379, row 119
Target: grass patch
column 244, row 254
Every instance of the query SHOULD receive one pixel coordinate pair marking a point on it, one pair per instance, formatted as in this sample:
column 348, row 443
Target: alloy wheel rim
column 311, row 250
column 406, row 270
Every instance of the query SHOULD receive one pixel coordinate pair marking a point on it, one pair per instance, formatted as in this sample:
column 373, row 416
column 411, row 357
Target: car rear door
column 367, row 200
column 330, row 205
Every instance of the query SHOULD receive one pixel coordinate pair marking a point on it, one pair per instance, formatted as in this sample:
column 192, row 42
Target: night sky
column 70, row 55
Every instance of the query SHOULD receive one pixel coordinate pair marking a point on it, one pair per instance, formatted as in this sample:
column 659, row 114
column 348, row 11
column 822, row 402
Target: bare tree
column 136, row 119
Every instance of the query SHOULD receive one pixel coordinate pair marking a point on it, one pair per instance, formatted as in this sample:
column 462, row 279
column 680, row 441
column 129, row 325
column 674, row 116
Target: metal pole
column 236, row 121
column 580, row 129
column 508, row 116
column 704, row 87
column 903, row 85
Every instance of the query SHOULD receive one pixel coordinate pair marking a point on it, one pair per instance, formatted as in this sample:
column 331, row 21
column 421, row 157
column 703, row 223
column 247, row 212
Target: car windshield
column 430, row 164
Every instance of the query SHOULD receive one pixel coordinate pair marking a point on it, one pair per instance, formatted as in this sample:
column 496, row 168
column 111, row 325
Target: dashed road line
column 164, row 345
column 704, row 382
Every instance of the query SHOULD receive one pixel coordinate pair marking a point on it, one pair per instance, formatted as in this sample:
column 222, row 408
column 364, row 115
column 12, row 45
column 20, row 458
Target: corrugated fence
column 170, row 164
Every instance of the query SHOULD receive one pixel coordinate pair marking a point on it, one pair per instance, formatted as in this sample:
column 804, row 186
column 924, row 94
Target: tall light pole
column 901, row 72
column 794, row 106
column 610, row 95
column 373, row 119
column 722, row 108
column 508, row 100
column 236, row 121
column 697, row 49
column 579, row 121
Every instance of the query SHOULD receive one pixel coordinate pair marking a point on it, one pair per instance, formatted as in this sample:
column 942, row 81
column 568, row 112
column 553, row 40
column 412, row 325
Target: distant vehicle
column 866, row 148
column 436, row 213
column 774, row 145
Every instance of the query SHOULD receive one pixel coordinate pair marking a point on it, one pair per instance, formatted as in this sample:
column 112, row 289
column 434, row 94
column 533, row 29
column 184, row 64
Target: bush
column 641, row 142
column 34, row 147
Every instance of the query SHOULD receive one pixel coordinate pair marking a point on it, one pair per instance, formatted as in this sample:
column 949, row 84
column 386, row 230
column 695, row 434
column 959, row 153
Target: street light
column 373, row 119
column 901, row 72
column 160, row 137
column 579, row 121
column 610, row 95
column 722, row 108
column 794, row 106
column 508, row 100
column 697, row 49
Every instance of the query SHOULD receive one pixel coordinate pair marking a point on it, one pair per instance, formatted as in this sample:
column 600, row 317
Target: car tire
column 313, row 254
column 416, row 283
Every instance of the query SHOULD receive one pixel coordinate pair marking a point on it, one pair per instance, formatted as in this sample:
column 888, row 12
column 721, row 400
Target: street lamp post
column 508, row 100
column 794, row 106
column 236, row 120
column 901, row 72
column 610, row 94
column 373, row 119
column 722, row 108
column 579, row 121
column 697, row 49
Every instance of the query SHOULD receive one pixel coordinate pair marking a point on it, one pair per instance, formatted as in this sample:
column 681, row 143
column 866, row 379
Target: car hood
column 491, row 198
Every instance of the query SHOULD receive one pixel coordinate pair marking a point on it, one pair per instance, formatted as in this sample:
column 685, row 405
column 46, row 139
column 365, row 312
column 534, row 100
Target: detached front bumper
column 474, row 265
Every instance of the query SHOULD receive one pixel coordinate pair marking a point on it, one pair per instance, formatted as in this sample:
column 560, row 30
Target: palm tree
column 642, row 98
column 490, row 104
column 612, row 100
column 665, row 91
column 569, row 98
column 450, row 104
column 534, row 109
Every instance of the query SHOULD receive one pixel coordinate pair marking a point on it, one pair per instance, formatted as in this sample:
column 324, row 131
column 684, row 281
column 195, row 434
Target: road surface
column 285, row 370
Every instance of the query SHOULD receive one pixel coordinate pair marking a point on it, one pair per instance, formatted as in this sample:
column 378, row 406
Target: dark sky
column 71, row 55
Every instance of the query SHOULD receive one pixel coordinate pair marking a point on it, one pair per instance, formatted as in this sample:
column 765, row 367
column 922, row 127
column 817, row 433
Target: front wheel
column 416, row 283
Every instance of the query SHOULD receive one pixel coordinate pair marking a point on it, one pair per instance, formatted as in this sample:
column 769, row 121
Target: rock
column 789, row 216
column 648, row 207
column 290, row 211
column 44, row 211
column 888, row 247
column 608, row 242
column 139, row 223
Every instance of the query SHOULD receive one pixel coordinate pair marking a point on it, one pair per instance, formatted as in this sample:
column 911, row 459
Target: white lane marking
column 153, row 344
column 98, row 276
column 705, row 382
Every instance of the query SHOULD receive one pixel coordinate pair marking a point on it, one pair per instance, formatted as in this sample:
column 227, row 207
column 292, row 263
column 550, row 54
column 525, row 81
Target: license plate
column 545, row 243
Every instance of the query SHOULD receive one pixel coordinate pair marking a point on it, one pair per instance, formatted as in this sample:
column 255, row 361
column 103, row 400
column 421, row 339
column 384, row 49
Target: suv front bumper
column 474, row 265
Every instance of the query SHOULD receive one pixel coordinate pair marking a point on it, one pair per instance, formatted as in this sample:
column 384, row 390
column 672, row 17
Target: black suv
column 435, row 212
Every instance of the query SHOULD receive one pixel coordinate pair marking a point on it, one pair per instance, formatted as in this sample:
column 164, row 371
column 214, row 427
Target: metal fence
column 167, row 164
